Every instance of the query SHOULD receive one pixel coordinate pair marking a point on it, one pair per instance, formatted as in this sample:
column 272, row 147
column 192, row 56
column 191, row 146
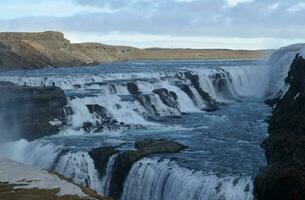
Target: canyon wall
column 284, row 176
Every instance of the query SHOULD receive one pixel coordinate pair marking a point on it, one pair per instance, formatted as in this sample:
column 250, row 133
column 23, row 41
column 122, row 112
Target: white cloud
column 274, row 6
column 45, row 8
column 233, row 3
column 297, row 7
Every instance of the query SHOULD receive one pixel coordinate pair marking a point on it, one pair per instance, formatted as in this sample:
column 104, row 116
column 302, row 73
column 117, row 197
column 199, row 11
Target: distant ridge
column 25, row 50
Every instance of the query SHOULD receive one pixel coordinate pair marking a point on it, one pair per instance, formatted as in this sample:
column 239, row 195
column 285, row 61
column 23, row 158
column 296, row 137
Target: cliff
column 30, row 112
column 52, row 49
column 284, row 176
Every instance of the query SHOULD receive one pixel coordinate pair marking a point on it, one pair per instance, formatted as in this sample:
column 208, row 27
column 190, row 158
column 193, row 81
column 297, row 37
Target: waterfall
column 77, row 166
column 100, row 102
column 107, row 177
column 109, row 102
column 161, row 179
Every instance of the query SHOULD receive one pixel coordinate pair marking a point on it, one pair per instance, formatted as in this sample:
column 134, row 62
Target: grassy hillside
column 52, row 49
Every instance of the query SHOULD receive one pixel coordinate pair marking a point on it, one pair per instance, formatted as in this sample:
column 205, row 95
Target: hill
column 52, row 49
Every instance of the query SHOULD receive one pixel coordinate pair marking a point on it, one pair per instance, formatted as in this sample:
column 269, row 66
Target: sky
column 235, row 24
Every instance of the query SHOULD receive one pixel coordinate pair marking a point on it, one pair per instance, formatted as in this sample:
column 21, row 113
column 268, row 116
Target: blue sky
column 237, row 24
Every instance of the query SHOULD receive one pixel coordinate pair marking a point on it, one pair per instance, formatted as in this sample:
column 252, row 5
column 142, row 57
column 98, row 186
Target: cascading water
column 112, row 94
column 107, row 178
column 167, row 103
column 155, row 179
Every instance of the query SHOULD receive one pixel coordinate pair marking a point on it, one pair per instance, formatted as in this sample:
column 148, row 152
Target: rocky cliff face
column 284, row 176
column 30, row 112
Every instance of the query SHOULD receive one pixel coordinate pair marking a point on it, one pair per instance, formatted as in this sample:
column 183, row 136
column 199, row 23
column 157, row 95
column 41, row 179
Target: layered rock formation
column 284, row 176
column 30, row 112
column 52, row 49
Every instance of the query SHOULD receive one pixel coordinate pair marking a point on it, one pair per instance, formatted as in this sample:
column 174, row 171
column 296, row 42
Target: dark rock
column 101, row 156
column 221, row 82
column 185, row 88
column 159, row 146
column 88, row 126
column 145, row 101
column 284, row 177
column 204, row 95
column 26, row 112
column 77, row 86
column 210, row 108
column 97, row 109
column 133, row 88
column 194, row 78
column 169, row 98
column 125, row 160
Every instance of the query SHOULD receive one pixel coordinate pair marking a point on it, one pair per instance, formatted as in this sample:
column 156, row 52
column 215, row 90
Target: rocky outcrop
column 101, row 156
column 211, row 104
column 133, row 88
column 169, row 98
column 126, row 159
column 284, row 176
column 30, row 112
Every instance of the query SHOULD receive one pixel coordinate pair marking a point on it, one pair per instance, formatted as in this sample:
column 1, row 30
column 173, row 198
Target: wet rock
column 146, row 102
column 97, row 109
column 210, row 108
column 221, row 82
column 88, row 126
column 284, row 176
column 133, row 88
column 26, row 112
column 159, row 146
column 169, row 98
column 101, row 156
column 126, row 159
column 204, row 95
column 185, row 88
column 212, row 105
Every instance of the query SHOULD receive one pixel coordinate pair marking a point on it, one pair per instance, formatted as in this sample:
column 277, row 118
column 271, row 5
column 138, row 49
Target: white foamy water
column 155, row 179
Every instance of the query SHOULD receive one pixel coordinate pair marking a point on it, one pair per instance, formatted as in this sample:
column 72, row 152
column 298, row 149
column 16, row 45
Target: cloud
column 248, row 19
column 236, row 2
column 297, row 7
